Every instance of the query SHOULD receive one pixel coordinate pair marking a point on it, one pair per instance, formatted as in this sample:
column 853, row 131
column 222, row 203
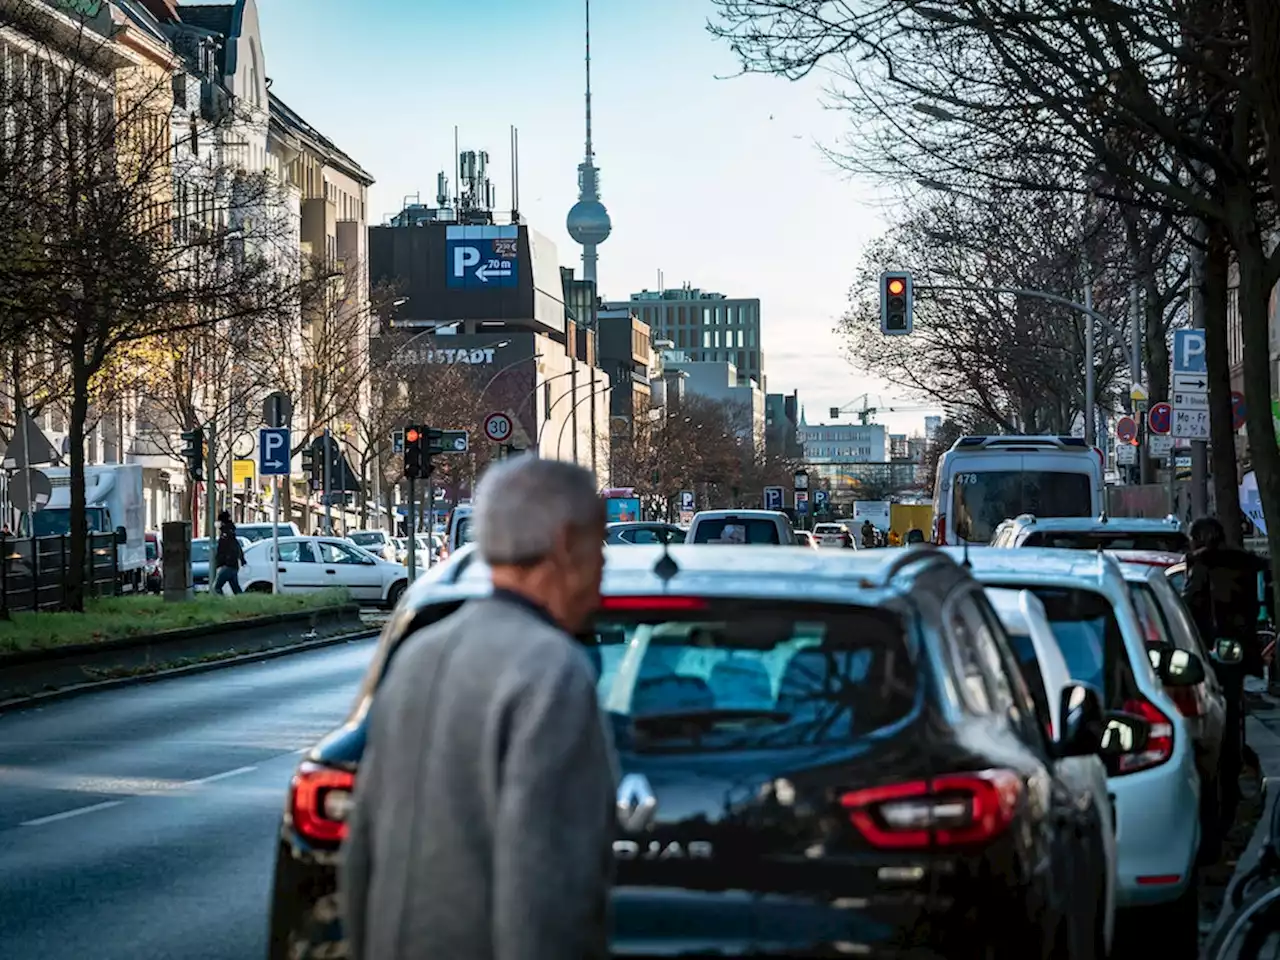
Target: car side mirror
column 1228, row 652
column 1177, row 668
column 122, row 535
column 1082, row 724
column 1123, row 733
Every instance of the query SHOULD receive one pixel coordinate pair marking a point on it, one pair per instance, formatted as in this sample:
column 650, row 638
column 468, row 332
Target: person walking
column 228, row 557
column 484, row 811
column 868, row 534
column 1221, row 591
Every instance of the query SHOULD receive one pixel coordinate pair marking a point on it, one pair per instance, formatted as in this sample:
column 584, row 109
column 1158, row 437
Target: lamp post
column 800, row 484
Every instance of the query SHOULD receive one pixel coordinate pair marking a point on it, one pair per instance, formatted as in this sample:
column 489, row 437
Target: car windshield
column 464, row 530
column 254, row 534
column 736, row 530
column 828, row 528
column 57, row 522
column 1172, row 541
column 753, row 677
column 367, row 539
column 1084, row 624
column 984, row 499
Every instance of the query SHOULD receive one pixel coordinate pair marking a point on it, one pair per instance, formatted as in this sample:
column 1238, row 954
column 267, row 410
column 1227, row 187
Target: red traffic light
column 897, row 286
column 412, row 435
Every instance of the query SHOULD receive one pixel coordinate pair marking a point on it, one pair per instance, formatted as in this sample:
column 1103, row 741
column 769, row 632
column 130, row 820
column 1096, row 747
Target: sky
column 710, row 178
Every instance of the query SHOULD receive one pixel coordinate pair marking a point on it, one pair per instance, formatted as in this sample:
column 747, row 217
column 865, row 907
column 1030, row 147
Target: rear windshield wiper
column 708, row 717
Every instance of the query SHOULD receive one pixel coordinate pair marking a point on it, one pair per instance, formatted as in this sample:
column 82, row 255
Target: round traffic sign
column 1238, row 410
column 497, row 427
column 1160, row 419
column 1127, row 429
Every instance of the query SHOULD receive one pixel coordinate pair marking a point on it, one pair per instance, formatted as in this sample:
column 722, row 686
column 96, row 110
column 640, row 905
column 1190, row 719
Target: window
column 736, row 530
column 968, row 667
column 753, row 677
column 1173, row 541
column 984, row 499
column 1088, row 634
column 296, row 552
column 339, row 553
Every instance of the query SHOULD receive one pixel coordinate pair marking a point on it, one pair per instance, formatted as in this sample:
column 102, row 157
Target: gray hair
column 525, row 503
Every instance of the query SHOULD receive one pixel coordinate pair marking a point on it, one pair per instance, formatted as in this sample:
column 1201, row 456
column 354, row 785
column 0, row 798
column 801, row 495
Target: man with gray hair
column 484, row 807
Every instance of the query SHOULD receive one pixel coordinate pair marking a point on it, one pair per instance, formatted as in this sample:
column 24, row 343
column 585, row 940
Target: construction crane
column 861, row 405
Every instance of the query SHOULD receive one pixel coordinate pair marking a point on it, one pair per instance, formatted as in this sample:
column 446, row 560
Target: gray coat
column 485, row 804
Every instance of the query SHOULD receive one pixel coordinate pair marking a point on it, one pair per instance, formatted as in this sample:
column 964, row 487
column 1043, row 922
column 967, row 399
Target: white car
column 377, row 542
column 834, row 535
column 1155, row 788
column 1093, row 533
column 318, row 563
column 754, row 527
column 1045, row 670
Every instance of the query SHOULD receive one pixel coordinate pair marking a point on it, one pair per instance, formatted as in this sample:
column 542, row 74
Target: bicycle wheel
column 1253, row 928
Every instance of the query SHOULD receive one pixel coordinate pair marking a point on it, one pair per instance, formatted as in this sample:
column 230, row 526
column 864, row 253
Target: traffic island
column 130, row 639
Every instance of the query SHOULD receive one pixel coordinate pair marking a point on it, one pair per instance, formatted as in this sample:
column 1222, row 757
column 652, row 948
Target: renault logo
column 636, row 803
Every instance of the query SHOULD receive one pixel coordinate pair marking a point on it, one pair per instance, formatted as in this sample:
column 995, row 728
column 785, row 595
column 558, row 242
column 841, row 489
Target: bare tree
column 90, row 252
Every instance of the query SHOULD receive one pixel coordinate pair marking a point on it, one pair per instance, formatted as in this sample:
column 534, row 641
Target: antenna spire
column 590, row 154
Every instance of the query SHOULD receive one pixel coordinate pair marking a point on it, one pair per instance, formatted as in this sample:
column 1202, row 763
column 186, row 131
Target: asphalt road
column 139, row 823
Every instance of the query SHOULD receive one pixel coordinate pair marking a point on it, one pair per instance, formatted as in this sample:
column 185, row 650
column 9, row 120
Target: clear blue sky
column 719, row 182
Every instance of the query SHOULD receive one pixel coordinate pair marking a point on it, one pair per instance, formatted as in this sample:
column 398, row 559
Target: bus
column 984, row 480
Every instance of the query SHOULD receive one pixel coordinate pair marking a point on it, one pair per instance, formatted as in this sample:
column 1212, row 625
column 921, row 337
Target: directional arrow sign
column 274, row 451
column 487, row 270
column 1190, row 382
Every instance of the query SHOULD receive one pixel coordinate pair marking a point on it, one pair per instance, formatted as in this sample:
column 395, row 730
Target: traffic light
column 895, row 303
column 434, row 441
column 309, row 463
column 414, row 458
column 193, row 452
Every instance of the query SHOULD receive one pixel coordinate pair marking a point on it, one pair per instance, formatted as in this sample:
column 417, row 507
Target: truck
column 113, row 504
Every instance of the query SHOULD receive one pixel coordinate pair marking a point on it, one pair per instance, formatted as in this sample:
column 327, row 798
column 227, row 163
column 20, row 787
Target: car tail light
column 650, row 604
column 1159, row 746
column 953, row 810
column 940, row 531
column 320, row 799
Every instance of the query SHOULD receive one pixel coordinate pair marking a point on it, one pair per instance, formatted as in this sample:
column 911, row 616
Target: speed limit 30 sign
column 497, row 427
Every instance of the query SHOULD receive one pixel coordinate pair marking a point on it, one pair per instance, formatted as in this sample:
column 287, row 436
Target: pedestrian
column 229, row 555
column 484, row 810
column 1221, row 591
column 868, row 534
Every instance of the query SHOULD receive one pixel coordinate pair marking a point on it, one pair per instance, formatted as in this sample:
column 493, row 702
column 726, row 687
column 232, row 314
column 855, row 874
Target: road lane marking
column 219, row 776
column 67, row 815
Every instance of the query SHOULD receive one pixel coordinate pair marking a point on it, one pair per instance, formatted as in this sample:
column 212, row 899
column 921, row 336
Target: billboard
column 482, row 257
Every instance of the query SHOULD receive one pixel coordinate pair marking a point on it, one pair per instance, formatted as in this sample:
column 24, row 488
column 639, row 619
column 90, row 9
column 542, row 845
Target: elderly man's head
column 540, row 526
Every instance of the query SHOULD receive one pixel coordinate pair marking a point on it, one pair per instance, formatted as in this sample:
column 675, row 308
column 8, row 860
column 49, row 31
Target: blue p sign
column 274, row 452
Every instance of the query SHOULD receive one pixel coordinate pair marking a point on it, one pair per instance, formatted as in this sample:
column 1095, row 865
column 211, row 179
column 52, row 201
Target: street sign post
column 773, row 498
column 687, row 506
column 497, row 427
column 1191, row 424
column 1190, row 418
column 802, row 502
column 275, row 455
column 1138, row 393
column 453, row 441
column 1190, row 383
column 1126, row 454
column 1188, row 352
column 1160, row 445
column 820, row 501
column 1160, row 419
column 1127, row 430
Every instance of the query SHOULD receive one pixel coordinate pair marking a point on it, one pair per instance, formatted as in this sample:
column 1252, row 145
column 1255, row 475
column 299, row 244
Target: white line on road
column 67, row 815
column 219, row 776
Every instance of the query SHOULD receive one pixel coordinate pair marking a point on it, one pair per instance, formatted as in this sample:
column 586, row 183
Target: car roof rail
column 1020, row 442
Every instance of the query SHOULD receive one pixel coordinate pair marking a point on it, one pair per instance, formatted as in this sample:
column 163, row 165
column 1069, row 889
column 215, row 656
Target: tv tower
column 588, row 221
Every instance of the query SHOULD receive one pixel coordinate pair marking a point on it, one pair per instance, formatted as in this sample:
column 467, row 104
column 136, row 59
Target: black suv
column 800, row 773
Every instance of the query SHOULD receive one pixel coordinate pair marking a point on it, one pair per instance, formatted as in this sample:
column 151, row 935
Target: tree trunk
column 74, row 577
column 1254, row 296
column 1222, row 446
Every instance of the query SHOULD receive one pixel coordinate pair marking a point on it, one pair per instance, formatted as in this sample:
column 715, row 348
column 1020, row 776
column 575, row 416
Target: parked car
column 837, row 751
column 1167, row 625
column 318, row 563
column 1047, row 675
column 643, row 531
column 833, row 535
column 1093, row 533
column 377, row 542
column 153, row 571
column 253, row 532
column 755, row 527
column 1155, row 786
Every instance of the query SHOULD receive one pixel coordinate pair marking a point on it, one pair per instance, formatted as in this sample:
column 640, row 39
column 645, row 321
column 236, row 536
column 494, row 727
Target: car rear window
column 1171, row 542
column 748, row 676
column 828, row 528
column 366, row 539
column 1084, row 624
column 736, row 530
column 465, row 533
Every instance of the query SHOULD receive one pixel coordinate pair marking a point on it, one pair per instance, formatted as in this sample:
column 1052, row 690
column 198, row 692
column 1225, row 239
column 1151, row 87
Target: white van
column 983, row 481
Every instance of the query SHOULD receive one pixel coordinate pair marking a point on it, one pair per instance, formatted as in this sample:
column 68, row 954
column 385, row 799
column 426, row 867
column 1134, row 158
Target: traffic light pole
column 211, row 498
column 411, row 532
column 328, row 480
column 431, row 509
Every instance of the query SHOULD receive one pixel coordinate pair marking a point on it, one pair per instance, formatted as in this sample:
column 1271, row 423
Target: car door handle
column 331, row 571
column 282, row 569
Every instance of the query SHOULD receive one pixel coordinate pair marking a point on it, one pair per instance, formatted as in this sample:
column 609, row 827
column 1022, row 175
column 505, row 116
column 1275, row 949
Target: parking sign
column 274, row 451
column 773, row 498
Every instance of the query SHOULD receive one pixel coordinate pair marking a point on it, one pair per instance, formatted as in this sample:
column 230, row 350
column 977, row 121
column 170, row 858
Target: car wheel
column 395, row 593
column 258, row 588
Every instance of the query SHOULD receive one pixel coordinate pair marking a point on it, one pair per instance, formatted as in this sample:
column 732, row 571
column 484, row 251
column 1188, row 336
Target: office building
column 782, row 425
column 707, row 327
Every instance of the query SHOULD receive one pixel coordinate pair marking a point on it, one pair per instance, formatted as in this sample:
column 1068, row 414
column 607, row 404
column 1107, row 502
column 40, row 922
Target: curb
column 94, row 686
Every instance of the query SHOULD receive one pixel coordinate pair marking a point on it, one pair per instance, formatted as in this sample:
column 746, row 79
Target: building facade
column 720, row 382
column 708, row 327
column 782, row 425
